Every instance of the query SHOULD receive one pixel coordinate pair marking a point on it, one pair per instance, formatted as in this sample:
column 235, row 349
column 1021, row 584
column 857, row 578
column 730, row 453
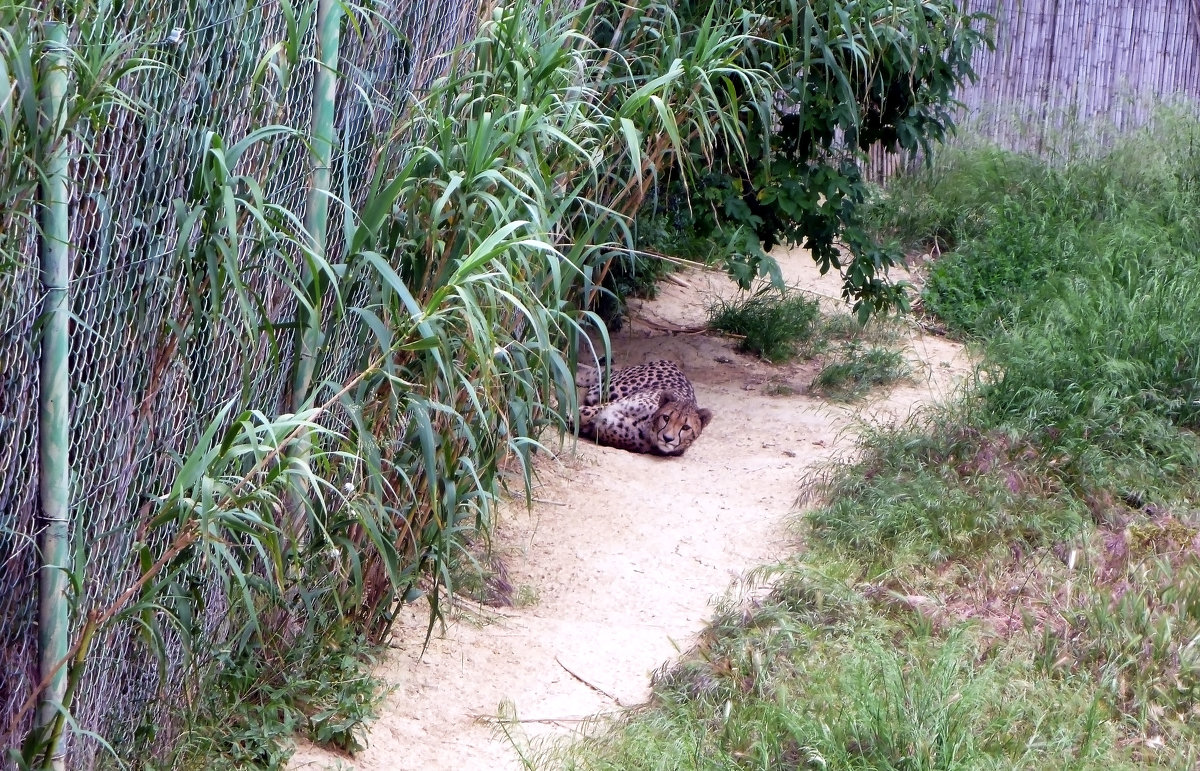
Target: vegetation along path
column 611, row 572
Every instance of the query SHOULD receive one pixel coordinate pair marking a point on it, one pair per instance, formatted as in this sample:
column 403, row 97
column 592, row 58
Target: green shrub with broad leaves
column 850, row 75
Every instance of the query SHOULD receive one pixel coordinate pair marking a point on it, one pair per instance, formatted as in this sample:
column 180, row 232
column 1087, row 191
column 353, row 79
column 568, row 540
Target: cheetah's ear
column 665, row 398
column 706, row 415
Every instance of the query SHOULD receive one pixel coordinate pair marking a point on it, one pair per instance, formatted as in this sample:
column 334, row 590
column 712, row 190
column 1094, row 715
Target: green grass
column 953, row 609
column 1011, row 580
column 854, row 370
column 820, row 675
column 776, row 326
column 847, row 327
column 1017, row 227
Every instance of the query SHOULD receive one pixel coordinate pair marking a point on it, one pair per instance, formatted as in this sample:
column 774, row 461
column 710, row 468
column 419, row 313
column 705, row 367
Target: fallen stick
column 544, row 720
column 664, row 326
column 595, row 688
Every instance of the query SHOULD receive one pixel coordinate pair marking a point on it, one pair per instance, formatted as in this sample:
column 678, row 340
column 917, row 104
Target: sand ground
column 621, row 554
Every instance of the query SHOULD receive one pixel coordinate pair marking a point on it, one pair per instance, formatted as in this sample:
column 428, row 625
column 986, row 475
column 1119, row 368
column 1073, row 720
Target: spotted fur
column 649, row 408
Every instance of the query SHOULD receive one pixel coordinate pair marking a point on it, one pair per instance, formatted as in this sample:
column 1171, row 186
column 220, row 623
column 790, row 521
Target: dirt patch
column 622, row 553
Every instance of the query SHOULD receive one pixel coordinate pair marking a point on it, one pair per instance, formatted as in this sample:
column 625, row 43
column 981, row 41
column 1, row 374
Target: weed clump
column 331, row 704
column 855, row 370
column 776, row 326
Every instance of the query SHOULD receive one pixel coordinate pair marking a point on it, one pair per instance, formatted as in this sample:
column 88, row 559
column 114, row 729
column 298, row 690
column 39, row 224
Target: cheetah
column 650, row 408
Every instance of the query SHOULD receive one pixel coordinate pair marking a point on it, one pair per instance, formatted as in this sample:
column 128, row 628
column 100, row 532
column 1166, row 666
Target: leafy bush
column 431, row 334
column 851, row 75
column 316, row 685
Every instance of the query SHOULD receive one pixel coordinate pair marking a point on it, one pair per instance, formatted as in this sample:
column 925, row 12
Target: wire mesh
column 20, row 297
column 163, row 333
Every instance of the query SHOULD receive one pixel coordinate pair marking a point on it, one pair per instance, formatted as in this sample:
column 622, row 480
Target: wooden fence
column 1062, row 63
column 1067, row 73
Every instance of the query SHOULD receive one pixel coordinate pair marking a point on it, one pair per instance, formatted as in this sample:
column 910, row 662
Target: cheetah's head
column 676, row 424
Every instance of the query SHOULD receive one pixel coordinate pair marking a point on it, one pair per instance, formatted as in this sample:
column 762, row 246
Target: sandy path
column 623, row 552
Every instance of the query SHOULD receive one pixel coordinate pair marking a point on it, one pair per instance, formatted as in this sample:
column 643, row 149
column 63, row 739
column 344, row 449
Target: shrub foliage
column 850, row 75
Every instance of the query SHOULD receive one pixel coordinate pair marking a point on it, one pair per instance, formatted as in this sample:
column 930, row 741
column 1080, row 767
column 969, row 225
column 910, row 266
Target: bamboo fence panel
column 1060, row 66
column 1065, row 75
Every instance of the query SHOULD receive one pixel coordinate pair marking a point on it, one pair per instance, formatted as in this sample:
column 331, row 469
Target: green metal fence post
column 53, row 412
column 316, row 217
column 316, row 212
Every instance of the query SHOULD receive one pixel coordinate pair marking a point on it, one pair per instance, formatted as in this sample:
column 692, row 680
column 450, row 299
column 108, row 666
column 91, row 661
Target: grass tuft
column 776, row 326
column 855, row 370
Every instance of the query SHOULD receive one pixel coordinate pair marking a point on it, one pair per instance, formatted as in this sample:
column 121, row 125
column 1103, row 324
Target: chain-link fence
column 157, row 339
